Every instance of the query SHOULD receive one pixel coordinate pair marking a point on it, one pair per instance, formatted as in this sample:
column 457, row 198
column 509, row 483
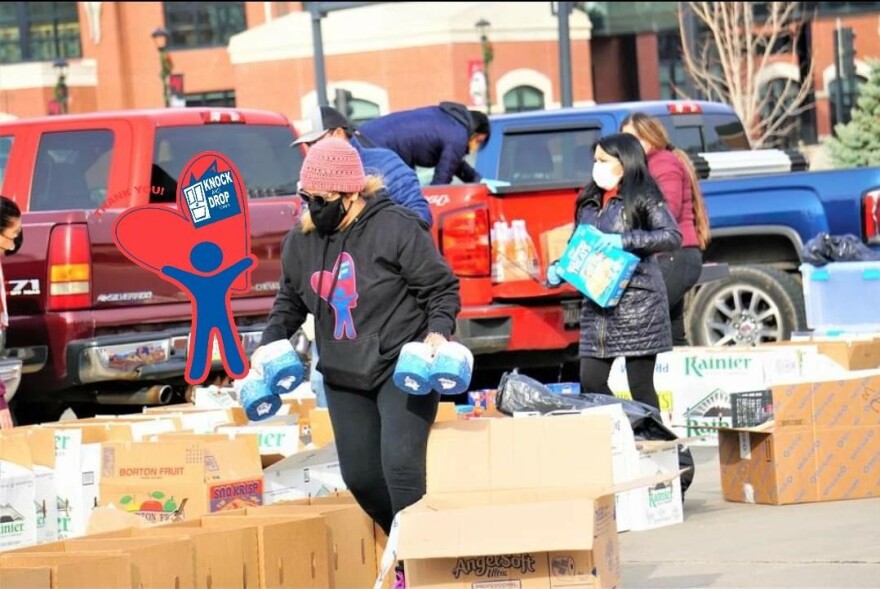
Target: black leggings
column 639, row 373
column 382, row 442
column 681, row 270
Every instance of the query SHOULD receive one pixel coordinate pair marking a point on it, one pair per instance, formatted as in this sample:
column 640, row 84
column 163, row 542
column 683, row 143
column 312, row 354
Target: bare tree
column 736, row 47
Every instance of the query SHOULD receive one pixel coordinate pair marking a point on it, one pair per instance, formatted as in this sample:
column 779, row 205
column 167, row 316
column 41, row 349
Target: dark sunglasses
column 309, row 197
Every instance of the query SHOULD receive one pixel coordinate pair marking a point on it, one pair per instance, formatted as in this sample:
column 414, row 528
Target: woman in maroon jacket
column 672, row 169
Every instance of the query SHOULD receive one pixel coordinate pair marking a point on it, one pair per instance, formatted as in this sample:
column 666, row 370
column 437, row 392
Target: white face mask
column 604, row 175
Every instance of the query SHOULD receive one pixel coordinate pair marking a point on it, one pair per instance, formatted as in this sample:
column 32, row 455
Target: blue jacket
column 401, row 182
column 428, row 137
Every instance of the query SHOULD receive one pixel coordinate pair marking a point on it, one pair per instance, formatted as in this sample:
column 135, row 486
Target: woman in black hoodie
column 373, row 279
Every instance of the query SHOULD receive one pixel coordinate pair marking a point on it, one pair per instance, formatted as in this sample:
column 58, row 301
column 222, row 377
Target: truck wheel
column 755, row 304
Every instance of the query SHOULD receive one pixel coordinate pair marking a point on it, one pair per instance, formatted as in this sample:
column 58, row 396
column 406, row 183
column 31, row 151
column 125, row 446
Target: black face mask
column 19, row 239
column 326, row 215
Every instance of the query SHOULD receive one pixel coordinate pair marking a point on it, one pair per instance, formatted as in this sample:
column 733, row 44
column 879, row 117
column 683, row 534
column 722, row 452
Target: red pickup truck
column 92, row 327
column 88, row 324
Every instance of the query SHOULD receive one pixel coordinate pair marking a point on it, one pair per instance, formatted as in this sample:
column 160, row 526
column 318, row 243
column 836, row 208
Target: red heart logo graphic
column 325, row 283
column 155, row 236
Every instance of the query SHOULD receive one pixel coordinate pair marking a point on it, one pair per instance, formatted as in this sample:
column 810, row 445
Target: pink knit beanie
column 332, row 165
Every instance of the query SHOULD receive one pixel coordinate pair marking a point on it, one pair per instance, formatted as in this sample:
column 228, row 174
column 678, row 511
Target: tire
column 755, row 304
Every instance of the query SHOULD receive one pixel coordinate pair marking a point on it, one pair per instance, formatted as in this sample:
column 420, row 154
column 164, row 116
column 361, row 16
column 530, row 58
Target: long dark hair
column 637, row 186
column 650, row 130
column 9, row 212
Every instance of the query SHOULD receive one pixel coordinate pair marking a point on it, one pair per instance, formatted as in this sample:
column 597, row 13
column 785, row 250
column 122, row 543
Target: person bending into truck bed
column 675, row 174
column 438, row 137
column 625, row 203
column 372, row 277
column 11, row 239
column 401, row 181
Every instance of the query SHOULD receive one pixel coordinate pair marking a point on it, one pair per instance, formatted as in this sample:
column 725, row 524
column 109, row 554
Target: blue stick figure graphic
column 342, row 303
column 210, row 293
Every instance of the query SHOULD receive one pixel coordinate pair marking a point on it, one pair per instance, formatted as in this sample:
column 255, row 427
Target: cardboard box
column 311, row 473
column 642, row 508
column 77, row 476
column 276, row 440
column 41, row 444
column 553, row 242
column 851, row 355
column 223, row 557
column 38, row 578
column 18, row 518
column 661, row 504
column 351, row 539
column 156, row 563
column 490, row 479
column 181, row 478
column 823, row 445
column 292, row 550
column 600, row 276
column 694, row 384
column 74, row 570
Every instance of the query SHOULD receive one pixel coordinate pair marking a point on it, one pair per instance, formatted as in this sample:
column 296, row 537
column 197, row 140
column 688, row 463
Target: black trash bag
column 825, row 248
column 518, row 392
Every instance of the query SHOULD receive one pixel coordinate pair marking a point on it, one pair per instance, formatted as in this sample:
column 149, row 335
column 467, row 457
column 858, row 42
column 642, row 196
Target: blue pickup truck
column 759, row 220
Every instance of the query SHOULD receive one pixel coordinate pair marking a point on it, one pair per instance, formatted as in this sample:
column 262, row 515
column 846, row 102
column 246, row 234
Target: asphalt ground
column 734, row 545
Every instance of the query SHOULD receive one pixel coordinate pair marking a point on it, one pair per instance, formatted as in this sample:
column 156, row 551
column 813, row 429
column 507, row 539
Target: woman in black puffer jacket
column 625, row 203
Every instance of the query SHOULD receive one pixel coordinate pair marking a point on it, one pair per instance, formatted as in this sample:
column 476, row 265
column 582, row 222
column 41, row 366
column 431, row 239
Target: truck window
column 5, row 148
column 560, row 155
column 72, row 170
column 702, row 133
column 262, row 153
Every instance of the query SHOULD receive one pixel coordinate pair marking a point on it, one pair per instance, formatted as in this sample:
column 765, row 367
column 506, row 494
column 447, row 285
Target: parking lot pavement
column 734, row 545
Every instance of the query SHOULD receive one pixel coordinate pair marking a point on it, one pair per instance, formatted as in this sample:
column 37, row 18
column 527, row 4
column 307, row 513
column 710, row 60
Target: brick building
column 647, row 36
column 390, row 56
column 260, row 55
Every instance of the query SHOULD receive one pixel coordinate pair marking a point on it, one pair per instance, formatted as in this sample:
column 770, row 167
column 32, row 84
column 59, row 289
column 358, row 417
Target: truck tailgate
column 547, row 214
column 26, row 273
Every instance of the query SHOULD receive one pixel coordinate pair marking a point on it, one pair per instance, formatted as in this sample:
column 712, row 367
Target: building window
column 219, row 98
column 202, row 24
column 840, row 8
column 673, row 77
column 39, row 31
column 850, row 96
column 523, row 98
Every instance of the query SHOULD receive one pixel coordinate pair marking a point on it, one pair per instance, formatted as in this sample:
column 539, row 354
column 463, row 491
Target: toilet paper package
column 257, row 398
column 413, row 371
column 452, row 369
column 281, row 367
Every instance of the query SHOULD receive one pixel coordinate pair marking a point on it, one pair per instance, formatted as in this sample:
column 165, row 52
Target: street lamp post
column 488, row 54
column 160, row 38
column 61, row 90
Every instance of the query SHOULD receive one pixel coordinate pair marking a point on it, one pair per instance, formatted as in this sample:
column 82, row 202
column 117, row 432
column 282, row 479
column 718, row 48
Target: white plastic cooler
column 842, row 296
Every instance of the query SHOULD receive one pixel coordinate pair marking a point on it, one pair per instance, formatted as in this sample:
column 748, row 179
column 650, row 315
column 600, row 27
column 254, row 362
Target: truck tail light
column 871, row 216
column 70, row 269
column 683, row 108
column 464, row 240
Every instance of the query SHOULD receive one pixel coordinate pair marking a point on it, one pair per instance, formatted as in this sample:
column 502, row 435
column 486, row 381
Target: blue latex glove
column 494, row 185
column 554, row 275
column 608, row 241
